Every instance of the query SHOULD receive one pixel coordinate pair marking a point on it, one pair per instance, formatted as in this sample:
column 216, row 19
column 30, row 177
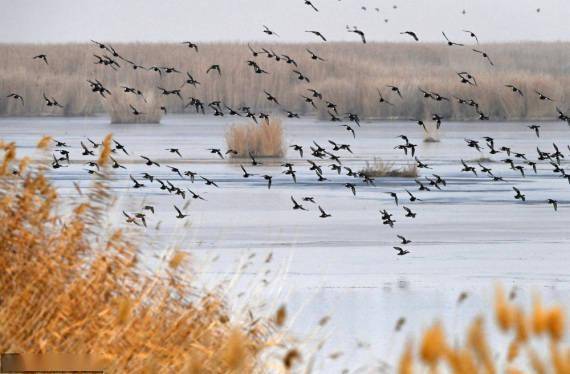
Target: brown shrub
column 379, row 169
column 263, row 139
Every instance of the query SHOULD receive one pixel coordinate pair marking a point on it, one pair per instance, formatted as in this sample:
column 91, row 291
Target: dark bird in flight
column 309, row 3
column 120, row 147
column 323, row 213
column 485, row 55
column 395, row 89
column 216, row 151
column 412, row 197
column 403, row 239
column 314, row 56
column 174, row 150
column 317, row 33
column 191, row 45
column 409, row 212
column 149, row 162
column 297, row 148
column 179, row 215
column 519, row 195
column 352, row 187
column 401, row 251
column 514, row 89
column 381, row 98
column 536, row 129
column 195, row 195
column 412, row 34
column 301, row 76
column 245, row 173
column 137, row 184
column 209, row 182
column 554, row 204
column 215, row 67
column 359, row 32
column 269, row 179
column 268, row 31
column 86, row 151
column 296, row 205
column 542, row 97
column 135, row 111
column 472, row 34
column 41, row 57
column 449, row 42
column 116, row 165
column 254, row 162
column 15, row 96
column 271, row 98
column 467, row 168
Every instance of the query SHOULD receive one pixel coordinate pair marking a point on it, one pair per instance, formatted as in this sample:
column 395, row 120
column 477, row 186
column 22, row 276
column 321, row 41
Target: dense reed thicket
column 536, row 344
column 265, row 140
column 379, row 168
column 71, row 284
column 349, row 77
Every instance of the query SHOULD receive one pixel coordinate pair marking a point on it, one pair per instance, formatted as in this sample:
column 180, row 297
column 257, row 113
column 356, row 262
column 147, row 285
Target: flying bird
column 412, row 34
column 317, row 33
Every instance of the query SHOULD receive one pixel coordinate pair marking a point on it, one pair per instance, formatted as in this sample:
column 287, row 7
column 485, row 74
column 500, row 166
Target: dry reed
column 349, row 77
column 378, row 169
column 265, row 139
column 542, row 328
column 118, row 106
column 70, row 284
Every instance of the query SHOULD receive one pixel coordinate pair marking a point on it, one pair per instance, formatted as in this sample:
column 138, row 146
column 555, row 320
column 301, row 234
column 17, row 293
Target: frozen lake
column 466, row 237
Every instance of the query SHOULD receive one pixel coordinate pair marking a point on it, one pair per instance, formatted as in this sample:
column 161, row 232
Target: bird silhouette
column 317, row 33
column 309, row 3
column 323, row 213
column 297, row 206
column 360, row 33
column 179, row 214
column 42, row 57
column 401, row 251
column 412, row 34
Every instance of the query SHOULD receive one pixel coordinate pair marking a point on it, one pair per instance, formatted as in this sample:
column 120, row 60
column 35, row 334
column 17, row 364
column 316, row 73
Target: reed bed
column 71, row 284
column 118, row 106
column 265, row 139
column 379, row 168
column 350, row 77
column 536, row 344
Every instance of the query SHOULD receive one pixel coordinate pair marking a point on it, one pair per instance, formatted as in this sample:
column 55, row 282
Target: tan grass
column 540, row 330
column 263, row 139
column 71, row 285
column 379, row 168
column 349, row 77
column 118, row 107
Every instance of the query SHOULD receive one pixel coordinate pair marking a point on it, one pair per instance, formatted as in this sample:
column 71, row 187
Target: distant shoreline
column 195, row 116
column 350, row 77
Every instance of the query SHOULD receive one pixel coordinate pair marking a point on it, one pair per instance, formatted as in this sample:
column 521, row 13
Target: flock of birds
column 108, row 57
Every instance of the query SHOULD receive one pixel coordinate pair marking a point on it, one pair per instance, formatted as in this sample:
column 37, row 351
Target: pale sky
column 241, row 20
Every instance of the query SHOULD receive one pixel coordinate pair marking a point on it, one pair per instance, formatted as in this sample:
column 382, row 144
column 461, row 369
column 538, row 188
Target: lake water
column 466, row 237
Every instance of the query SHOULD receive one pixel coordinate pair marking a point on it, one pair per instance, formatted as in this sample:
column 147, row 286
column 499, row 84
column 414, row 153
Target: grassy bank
column 349, row 77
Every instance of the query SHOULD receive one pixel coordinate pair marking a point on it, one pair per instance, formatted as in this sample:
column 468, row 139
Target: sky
column 53, row 21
